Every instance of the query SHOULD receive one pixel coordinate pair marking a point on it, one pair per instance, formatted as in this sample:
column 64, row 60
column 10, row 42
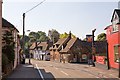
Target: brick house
column 113, row 38
column 75, row 50
column 7, row 26
column 59, row 45
column 40, row 50
column 33, row 50
column 69, row 50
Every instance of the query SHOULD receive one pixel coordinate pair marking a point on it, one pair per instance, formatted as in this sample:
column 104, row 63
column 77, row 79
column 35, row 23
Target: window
column 116, row 54
column 114, row 23
column 57, row 45
column 115, row 26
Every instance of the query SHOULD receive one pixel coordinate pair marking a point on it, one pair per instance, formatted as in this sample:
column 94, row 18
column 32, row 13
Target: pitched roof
column 5, row 23
column 118, row 13
column 107, row 27
column 44, row 45
column 33, row 46
column 60, row 42
column 85, row 46
column 100, row 46
column 69, row 45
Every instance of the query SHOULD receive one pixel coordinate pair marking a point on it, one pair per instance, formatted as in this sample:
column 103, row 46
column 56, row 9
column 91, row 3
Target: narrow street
column 49, row 69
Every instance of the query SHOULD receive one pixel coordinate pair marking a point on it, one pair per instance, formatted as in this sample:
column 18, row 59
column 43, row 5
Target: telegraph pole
column 24, row 25
column 23, row 33
column 0, row 39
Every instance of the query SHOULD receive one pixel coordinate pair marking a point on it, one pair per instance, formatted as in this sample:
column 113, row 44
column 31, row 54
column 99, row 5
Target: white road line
column 51, row 65
column 39, row 72
column 64, row 73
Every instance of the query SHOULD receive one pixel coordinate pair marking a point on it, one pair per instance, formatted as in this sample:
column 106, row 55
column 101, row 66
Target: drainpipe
column 107, row 53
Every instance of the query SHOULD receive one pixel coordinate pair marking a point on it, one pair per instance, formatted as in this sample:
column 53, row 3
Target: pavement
column 24, row 71
column 101, row 73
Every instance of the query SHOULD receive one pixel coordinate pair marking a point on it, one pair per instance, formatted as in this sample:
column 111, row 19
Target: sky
column 78, row 16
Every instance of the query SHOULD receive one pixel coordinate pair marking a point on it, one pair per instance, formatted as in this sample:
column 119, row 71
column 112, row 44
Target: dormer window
column 53, row 46
column 57, row 45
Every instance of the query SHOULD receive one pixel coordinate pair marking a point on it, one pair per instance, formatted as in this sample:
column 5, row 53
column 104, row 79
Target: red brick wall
column 113, row 39
column 52, row 55
column 100, row 59
column 57, row 56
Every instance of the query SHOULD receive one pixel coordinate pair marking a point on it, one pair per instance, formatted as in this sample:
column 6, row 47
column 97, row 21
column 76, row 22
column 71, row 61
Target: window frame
column 114, row 23
column 116, row 54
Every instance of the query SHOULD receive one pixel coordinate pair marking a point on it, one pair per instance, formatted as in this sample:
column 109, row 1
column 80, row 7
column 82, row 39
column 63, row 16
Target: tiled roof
column 60, row 42
column 5, row 23
column 69, row 45
column 118, row 13
column 107, row 27
column 33, row 45
column 101, row 46
column 44, row 45
column 85, row 47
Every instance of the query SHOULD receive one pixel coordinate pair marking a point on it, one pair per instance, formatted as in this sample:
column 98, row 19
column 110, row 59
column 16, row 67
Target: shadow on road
column 23, row 71
column 46, row 75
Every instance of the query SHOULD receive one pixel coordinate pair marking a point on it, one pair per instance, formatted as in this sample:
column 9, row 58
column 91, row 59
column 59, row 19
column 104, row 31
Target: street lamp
column 93, row 31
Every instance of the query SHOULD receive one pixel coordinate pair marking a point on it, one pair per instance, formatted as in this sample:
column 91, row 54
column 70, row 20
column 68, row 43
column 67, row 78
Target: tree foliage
column 34, row 36
column 65, row 35
column 53, row 35
column 43, row 37
column 84, row 39
column 101, row 37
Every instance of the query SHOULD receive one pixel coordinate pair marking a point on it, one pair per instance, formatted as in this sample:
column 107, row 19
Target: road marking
column 51, row 65
column 56, row 68
column 64, row 73
column 40, row 72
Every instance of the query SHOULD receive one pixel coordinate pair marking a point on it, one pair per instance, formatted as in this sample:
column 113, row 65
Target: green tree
column 65, row 35
column 101, row 37
column 34, row 36
column 84, row 39
column 53, row 35
column 43, row 37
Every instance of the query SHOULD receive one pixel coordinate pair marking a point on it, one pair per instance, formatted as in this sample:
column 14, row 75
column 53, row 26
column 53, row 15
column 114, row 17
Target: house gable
column 116, row 15
column 69, row 45
column 115, row 20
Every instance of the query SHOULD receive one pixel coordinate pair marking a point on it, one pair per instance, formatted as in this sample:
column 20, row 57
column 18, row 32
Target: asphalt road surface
column 49, row 69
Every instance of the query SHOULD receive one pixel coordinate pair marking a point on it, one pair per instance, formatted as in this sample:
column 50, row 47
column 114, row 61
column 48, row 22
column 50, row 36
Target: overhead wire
column 35, row 6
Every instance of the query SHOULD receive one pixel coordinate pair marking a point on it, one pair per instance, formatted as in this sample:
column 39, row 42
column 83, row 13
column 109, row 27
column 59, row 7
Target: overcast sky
column 77, row 16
